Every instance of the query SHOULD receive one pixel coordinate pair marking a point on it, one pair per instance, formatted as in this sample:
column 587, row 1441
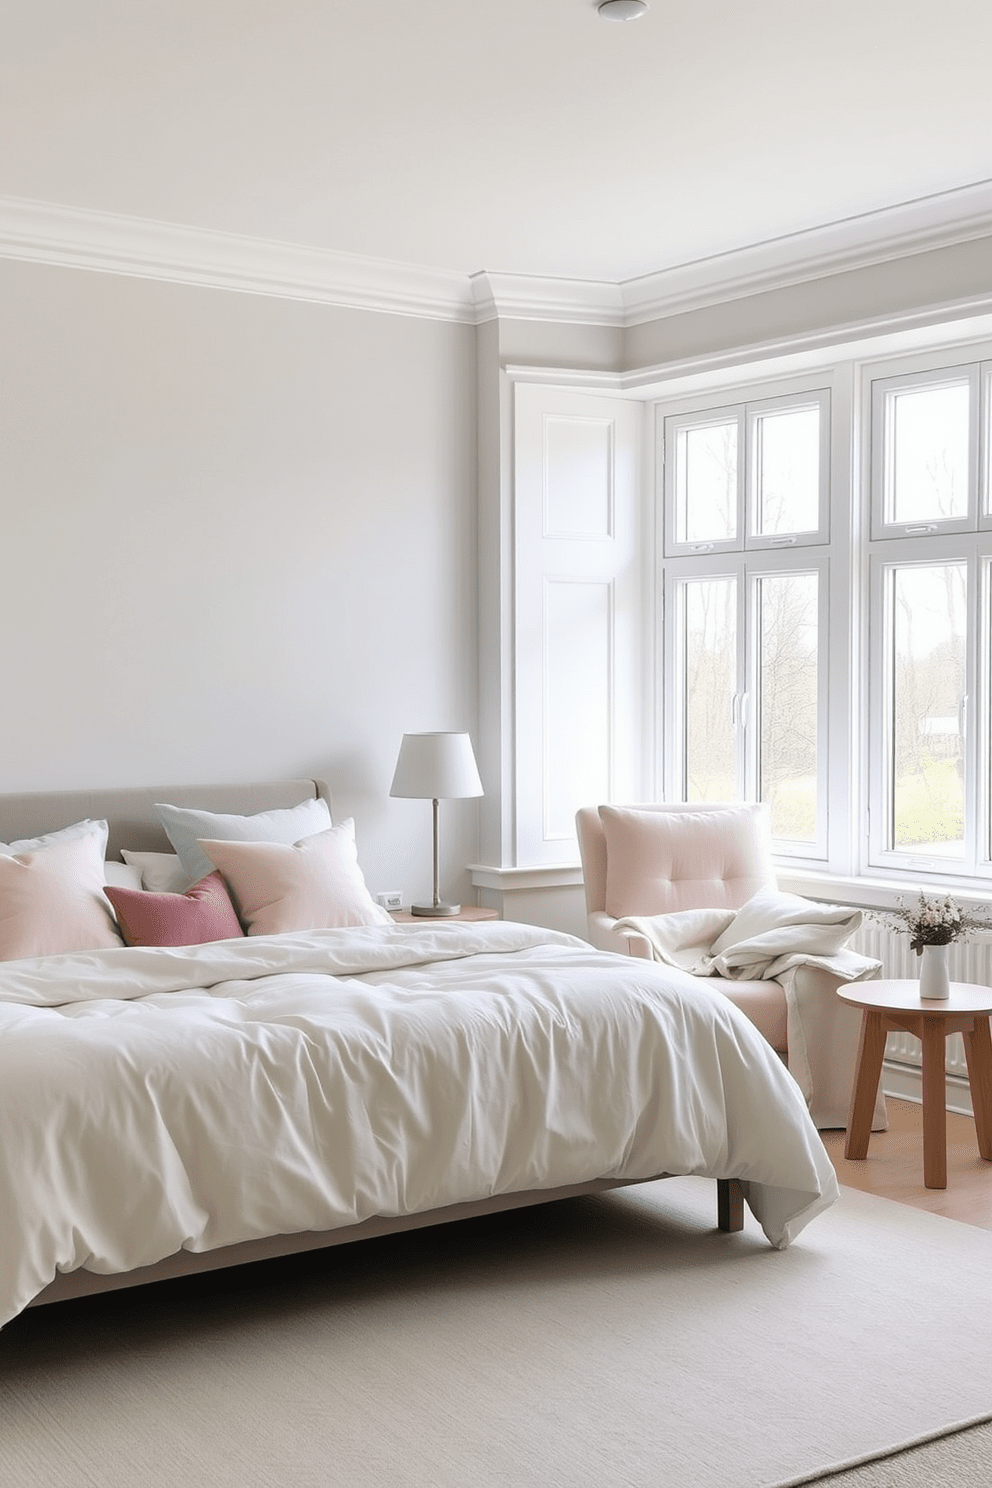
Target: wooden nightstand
column 464, row 916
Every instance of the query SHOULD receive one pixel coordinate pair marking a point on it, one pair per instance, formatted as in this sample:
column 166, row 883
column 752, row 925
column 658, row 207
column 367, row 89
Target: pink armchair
column 660, row 858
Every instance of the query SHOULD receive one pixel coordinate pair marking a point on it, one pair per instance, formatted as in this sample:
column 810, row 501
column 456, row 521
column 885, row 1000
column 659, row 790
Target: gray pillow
column 287, row 824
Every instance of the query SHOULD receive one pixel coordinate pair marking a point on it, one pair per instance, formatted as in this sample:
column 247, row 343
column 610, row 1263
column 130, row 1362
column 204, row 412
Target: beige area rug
column 610, row 1342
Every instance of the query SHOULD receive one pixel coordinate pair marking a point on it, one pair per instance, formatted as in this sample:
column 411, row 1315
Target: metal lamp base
column 435, row 911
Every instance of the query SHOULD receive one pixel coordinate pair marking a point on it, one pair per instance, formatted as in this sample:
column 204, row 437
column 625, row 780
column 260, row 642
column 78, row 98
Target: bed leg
column 729, row 1204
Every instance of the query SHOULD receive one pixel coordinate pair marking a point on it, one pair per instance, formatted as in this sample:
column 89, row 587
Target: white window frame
column 750, row 556
column 985, row 453
column 892, row 545
column 746, row 413
column 882, row 566
column 881, row 388
column 746, row 717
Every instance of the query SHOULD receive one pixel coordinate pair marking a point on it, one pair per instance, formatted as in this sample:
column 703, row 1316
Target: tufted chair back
column 663, row 857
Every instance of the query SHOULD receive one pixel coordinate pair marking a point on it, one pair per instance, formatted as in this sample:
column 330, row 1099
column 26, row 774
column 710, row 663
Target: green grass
column 793, row 807
column 929, row 805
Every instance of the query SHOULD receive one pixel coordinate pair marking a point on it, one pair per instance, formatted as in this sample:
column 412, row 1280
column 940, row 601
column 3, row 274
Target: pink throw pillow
column 203, row 913
column 315, row 884
column 51, row 900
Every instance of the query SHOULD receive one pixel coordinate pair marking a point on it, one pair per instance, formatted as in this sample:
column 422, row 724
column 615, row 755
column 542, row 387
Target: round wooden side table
column 889, row 1006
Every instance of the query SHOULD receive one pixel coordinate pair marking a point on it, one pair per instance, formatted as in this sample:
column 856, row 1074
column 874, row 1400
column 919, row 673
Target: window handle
column 963, row 715
column 702, row 547
column 918, row 531
column 782, row 542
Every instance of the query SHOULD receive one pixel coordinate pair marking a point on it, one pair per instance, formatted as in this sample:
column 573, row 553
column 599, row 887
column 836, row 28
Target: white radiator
column 969, row 961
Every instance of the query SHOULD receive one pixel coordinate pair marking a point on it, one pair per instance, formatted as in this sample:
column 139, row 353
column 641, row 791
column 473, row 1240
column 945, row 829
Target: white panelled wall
column 577, row 612
column 574, row 663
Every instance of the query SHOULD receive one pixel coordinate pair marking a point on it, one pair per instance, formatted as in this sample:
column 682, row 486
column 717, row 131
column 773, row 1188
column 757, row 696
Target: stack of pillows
column 280, row 870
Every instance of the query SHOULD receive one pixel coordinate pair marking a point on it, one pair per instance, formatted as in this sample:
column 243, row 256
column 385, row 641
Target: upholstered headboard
column 130, row 810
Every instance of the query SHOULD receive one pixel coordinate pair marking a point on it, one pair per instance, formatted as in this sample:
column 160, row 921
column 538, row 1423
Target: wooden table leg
column 871, row 1052
column 933, row 1037
column 978, row 1052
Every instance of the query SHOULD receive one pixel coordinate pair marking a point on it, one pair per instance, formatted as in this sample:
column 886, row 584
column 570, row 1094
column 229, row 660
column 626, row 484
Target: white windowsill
column 872, row 893
column 863, row 893
column 547, row 876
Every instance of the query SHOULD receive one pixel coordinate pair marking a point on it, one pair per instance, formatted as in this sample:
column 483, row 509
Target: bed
column 171, row 1109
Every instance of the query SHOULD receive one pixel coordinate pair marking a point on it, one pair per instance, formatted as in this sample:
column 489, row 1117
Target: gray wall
column 238, row 540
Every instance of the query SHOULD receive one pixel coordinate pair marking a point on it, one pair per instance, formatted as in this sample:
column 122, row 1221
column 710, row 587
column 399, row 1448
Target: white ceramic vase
column 934, row 979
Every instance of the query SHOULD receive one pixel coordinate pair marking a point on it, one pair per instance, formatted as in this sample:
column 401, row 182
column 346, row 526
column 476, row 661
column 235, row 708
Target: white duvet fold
column 770, row 935
column 137, row 971
column 158, row 1100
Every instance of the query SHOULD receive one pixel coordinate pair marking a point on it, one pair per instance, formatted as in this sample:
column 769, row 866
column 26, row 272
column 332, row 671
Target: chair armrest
column 605, row 937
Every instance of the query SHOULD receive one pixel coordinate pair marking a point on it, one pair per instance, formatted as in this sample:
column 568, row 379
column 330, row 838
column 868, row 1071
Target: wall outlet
column 390, row 899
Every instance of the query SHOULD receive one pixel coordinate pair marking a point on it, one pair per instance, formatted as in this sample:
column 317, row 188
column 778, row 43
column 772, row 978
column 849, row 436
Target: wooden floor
column 894, row 1166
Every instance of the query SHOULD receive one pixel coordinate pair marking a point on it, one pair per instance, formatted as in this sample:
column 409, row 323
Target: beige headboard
column 130, row 810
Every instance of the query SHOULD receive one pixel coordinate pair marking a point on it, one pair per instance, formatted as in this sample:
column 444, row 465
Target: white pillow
column 313, row 884
column 51, row 900
column 121, row 875
column 186, row 827
column 84, row 828
column 161, row 873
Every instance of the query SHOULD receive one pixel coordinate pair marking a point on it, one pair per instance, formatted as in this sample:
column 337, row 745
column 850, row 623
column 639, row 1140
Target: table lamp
column 435, row 767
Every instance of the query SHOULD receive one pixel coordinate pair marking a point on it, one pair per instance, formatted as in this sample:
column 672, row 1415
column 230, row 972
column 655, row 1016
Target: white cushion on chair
column 658, row 862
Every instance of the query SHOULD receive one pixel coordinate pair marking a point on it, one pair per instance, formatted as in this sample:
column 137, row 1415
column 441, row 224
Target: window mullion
column 747, row 671
column 981, row 719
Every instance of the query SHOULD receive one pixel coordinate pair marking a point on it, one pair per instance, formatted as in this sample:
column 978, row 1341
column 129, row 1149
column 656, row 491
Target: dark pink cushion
column 204, row 912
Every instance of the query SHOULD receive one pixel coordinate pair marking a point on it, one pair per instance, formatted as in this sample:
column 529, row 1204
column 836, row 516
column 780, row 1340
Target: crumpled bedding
column 160, row 1099
column 802, row 945
column 770, row 935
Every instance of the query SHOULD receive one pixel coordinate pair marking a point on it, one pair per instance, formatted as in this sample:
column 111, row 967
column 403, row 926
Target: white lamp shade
column 436, row 767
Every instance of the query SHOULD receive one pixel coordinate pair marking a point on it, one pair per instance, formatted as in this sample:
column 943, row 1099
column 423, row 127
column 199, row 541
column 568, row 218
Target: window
column 746, row 625
column 749, row 476
column 808, row 624
column 929, row 595
column 925, row 436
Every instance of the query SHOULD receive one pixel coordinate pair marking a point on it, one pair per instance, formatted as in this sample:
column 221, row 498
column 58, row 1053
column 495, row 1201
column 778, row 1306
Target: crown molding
column 920, row 226
column 526, row 297
column 76, row 237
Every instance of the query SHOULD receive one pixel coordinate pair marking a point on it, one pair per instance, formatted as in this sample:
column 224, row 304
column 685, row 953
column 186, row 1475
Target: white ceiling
column 513, row 136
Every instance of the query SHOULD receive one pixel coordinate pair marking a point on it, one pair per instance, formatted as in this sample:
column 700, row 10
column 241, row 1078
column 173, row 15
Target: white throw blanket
column 771, row 934
column 802, row 945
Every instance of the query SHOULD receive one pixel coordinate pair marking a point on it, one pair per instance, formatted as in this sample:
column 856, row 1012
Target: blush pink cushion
column 51, row 900
column 764, row 1003
column 316, row 884
column 658, row 862
column 203, row 913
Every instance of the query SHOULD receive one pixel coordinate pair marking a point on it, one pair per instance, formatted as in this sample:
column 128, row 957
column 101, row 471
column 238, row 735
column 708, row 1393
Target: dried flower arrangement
column 933, row 921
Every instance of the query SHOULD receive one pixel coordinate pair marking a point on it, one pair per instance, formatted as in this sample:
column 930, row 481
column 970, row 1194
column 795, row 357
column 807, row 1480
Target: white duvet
column 153, row 1100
